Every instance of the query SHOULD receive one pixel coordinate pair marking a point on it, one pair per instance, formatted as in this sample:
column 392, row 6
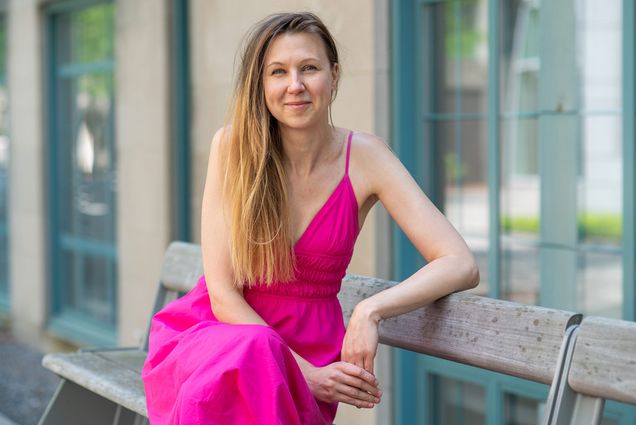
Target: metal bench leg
column 124, row 416
column 568, row 406
column 587, row 410
column 556, row 400
column 74, row 405
column 141, row 420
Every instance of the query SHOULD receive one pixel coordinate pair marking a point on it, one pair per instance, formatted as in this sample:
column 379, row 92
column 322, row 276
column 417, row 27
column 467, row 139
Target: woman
column 261, row 339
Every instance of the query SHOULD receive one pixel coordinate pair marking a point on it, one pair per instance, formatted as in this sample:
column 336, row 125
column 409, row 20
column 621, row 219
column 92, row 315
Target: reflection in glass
column 465, row 182
column 600, row 292
column 455, row 119
column 86, row 281
column 93, row 177
column 519, row 56
column 608, row 421
column 4, row 170
column 462, row 66
column 601, row 182
column 86, row 164
column 598, row 156
column 519, row 271
column 519, row 410
column 457, row 402
column 88, row 33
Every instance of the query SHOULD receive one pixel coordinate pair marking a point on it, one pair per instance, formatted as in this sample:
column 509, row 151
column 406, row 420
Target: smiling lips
column 297, row 105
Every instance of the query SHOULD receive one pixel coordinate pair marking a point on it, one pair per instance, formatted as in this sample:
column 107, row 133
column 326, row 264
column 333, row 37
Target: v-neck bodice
column 325, row 248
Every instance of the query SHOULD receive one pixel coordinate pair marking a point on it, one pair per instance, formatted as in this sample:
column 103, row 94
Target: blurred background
column 515, row 116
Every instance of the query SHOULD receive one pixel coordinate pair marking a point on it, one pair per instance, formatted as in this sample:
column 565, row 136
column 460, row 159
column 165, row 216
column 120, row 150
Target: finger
column 357, row 393
column 354, row 370
column 361, row 384
column 355, row 402
column 368, row 364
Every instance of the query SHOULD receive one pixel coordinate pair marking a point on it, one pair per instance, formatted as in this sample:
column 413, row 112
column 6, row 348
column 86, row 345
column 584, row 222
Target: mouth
column 297, row 104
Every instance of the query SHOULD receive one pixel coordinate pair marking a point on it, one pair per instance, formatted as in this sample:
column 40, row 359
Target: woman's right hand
column 344, row 382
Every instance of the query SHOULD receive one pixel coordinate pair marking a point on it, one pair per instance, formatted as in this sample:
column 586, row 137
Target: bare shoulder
column 369, row 146
column 217, row 159
column 220, row 140
column 371, row 158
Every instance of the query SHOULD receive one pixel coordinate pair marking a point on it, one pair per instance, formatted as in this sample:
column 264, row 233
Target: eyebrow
column 304, row 60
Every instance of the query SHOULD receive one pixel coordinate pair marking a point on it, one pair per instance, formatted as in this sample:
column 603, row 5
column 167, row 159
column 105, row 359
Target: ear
column 335, row 75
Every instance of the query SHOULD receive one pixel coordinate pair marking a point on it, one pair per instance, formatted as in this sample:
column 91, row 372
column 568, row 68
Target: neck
column 305, row 149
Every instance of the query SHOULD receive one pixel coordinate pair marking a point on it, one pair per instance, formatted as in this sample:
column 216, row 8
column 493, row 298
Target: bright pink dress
column 200, row 370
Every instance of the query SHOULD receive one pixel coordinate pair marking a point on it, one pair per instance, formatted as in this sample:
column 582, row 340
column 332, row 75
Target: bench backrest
column 498, row 335
column 181, row 269
column 604, row 359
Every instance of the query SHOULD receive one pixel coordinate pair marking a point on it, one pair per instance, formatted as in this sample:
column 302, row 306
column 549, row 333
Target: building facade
column 516, row 117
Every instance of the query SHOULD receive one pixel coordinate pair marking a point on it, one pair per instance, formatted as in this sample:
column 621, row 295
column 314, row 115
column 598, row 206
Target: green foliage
column 601, row 226
column 454, row 169
column 461, row 38
column 93, row 38
column 93, row 34
column 520, row 224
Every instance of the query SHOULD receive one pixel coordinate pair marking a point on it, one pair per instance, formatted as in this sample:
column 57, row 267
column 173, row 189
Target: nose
column 296, row 84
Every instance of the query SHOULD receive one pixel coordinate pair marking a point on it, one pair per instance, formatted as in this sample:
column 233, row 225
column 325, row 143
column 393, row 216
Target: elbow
column 472, row 273
column 468, row 272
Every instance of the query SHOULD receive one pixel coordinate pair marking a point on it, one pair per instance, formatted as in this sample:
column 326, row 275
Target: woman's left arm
column 450, row 266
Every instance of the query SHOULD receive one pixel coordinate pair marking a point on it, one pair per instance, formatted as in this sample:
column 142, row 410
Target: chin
column 301, row 122
column 297, row 124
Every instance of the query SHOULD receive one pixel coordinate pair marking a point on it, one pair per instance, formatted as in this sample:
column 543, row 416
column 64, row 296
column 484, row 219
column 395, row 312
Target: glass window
column 551, row 100
column 457, row 402
column 559, row 164
column 519, row 410
column 4, row 169
column 84, row 167
column 455, row 119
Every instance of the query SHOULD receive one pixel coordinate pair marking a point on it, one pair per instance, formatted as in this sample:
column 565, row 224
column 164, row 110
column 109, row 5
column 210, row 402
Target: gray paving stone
column 25, row 386
column 6, row 421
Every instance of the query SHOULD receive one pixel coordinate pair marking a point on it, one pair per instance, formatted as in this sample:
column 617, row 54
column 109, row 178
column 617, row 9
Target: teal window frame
column 180, row 113
column 76, row 328
column 411, row 371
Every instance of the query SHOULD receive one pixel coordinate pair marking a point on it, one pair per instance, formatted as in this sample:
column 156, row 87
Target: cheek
column 323, row 86
column 272, row 90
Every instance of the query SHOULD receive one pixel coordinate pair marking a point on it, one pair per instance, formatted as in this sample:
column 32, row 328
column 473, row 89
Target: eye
column 310, row 68
column 278, row 71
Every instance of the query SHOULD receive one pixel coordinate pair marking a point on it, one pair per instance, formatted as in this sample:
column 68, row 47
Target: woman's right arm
column 226, row 299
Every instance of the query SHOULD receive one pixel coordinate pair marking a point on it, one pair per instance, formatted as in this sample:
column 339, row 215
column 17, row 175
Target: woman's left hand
column 360, row 342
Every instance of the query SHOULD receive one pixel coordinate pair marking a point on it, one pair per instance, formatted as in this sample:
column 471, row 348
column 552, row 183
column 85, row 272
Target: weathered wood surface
column 501, row 336
column 182, row 266
column 604, row 359
column 115, row 375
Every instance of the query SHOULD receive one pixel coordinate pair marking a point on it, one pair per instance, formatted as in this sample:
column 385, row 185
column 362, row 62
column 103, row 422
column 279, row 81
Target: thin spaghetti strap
column 348, row 152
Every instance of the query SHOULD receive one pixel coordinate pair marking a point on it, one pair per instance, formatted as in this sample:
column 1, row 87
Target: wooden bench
column 103, row 386
column 600, row 364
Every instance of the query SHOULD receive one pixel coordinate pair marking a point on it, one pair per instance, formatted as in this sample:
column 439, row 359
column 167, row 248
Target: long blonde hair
column 255, row 187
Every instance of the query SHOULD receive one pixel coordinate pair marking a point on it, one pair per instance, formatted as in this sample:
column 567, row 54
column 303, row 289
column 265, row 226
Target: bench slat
column 182, row 266
column 604, row 359
column 497, row 335
column 112, row 375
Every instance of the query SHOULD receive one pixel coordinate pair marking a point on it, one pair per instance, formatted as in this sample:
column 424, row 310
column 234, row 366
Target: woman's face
column 298, row 80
